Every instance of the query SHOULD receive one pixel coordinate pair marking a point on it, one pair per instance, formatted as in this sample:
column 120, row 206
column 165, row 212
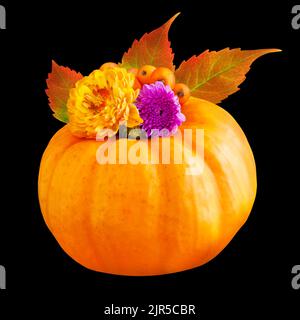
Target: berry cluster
column 149, row 74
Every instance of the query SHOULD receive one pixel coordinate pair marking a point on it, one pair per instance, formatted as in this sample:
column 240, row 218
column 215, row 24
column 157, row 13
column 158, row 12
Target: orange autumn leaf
column 153, row 48
column 59, row 82
column 214, row 75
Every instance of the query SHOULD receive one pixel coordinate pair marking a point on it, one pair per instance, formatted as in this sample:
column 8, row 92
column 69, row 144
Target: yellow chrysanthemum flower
column 101, row 101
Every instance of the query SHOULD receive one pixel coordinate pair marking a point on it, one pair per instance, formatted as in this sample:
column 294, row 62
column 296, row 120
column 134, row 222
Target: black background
column 252, row 276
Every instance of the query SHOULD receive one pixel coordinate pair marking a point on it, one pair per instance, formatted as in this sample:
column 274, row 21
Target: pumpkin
column 145, row 219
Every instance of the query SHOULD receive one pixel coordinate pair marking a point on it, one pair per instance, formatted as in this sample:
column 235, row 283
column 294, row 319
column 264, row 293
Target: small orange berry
column 182, row 91
column 165, row 75
column 144, row 74
column 137, row 84
column 108, row 65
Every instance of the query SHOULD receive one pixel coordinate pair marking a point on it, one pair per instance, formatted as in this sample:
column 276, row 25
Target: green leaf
column 152, row 49
column 214, row 75
column 59, row 83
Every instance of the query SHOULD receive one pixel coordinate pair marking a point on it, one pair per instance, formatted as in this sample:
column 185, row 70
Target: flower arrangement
column 144, row 218
column 141, row 90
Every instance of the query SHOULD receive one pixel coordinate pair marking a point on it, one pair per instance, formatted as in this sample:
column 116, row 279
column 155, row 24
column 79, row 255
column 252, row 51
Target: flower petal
column 134, row 118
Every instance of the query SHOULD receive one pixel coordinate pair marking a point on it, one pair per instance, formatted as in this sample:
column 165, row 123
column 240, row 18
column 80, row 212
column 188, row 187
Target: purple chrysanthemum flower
column 160, row 109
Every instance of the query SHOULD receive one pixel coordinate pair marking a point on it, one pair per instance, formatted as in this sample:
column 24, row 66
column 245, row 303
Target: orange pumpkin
column 148, row 219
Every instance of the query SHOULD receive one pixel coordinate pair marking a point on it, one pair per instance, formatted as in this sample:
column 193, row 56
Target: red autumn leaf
column 59, row 82
column 153, row 48
column 214, row 75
